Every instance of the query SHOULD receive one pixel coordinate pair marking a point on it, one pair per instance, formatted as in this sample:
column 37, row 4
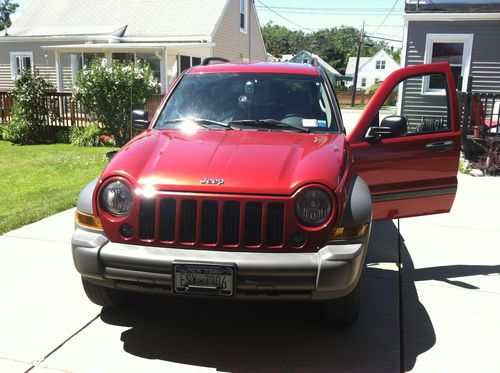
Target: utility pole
column 355, row 79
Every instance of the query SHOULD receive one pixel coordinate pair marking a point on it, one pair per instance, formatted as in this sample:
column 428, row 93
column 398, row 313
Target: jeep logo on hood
column 212, row 181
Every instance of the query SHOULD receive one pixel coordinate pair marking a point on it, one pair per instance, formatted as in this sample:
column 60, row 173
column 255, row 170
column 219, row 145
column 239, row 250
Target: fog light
column 298, row 239
column 126, row 230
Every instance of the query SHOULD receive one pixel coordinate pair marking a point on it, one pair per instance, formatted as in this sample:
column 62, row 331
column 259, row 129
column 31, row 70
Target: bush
column 62, row 137
column 111, row 90
column 30, row 111
column 19, row 131
column 86, row 136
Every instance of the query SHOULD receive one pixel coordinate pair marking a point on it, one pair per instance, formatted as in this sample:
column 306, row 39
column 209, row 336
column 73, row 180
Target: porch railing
column 479, row 114
column 63, row 111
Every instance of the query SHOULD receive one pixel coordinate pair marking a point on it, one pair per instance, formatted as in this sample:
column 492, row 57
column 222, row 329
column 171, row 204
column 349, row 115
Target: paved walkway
column 439, row 313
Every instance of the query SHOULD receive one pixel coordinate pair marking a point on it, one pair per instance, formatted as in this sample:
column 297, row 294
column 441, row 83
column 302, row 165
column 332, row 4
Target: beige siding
column 43, row 60
column 258, row 50
column 233, row 44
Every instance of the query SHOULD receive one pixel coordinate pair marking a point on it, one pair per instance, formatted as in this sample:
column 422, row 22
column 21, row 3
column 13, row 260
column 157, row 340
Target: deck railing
column 63, row 110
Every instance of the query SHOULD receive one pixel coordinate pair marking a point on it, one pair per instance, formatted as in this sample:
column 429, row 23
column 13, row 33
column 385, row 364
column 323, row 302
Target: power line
column 286, row 19
column 329, row 9
column 326, row 13
column 387, row 16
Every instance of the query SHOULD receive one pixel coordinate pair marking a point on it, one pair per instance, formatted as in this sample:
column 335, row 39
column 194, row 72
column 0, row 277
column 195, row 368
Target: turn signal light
column 89, row 221
column 348, row 233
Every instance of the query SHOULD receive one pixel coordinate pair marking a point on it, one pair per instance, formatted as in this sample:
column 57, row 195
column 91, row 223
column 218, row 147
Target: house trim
column 467, row 40
column 13, row 56
column 108, row 38
column 434, row 16
column 403, row 63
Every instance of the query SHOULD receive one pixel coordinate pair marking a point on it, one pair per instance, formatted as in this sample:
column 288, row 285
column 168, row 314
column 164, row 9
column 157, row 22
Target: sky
column 315, row 14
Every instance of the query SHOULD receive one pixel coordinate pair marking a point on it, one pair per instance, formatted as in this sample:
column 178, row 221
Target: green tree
column 111, row 90
column 6, row 9
column 280, row 40
column 334, row 45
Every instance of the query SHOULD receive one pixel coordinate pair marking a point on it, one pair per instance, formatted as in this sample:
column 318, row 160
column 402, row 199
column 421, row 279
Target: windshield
column 250, row 101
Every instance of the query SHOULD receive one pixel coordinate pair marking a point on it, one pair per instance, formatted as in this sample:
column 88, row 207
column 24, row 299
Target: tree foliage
column 7, row 8
column 30, row 110
column 112, row 90
column 335, row 45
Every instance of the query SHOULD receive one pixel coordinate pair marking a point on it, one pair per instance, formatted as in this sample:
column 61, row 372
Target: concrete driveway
column 430, row 303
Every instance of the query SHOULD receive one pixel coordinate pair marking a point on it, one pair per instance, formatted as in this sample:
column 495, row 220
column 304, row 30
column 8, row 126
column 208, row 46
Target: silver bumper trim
column 331, row 272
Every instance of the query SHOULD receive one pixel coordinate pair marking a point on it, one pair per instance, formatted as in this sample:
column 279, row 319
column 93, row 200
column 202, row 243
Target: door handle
column 439, row 146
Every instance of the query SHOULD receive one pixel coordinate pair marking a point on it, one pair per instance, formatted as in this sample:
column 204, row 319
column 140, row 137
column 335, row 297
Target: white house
column 371, row 69
column 58, row 37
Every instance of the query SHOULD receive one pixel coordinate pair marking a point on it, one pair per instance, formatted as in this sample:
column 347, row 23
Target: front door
column 406, row 144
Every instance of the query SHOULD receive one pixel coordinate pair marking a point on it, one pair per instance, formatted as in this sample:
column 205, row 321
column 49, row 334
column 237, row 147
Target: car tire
column 103, row 296
column 343, row 311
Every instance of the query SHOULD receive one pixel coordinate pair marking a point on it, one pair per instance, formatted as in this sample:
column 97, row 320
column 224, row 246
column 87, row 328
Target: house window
column 20, row 61
column 124, row 57
column 363, row 82
column 243, row 15
column 380, row 65
column 452, row 48
column 187, row 61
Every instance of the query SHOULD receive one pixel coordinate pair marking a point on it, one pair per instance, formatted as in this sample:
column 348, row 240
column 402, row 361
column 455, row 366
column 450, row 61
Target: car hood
column 248, row 162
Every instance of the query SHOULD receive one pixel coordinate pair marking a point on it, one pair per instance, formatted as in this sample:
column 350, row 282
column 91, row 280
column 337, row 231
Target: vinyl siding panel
column 233, row 44
column 485, row 65
column 485, row 59
column 43, row 60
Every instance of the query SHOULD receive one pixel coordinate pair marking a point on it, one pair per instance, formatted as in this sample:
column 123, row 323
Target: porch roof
column 125, row 47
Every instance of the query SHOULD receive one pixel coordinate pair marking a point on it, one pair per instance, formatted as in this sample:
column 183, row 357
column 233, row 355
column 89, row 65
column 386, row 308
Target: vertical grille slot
column 231, row 223
column 188, row 221
column 167, row 219
column 209, row 222
column 275, row 221
column 147, row 219
column 253, row 224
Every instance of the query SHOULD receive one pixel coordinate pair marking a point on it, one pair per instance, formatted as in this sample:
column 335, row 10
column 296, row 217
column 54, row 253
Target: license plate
column 203, row 279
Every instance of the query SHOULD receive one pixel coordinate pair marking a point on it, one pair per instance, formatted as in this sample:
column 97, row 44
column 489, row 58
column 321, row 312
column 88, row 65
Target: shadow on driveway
column 248, row 336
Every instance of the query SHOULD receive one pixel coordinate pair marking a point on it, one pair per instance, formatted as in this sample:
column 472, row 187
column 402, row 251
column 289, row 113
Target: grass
column 41, row 180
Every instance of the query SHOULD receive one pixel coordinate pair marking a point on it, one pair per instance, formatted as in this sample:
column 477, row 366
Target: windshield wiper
column 205, row 123
column 268, row 123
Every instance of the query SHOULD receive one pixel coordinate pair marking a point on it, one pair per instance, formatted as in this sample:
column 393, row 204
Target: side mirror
column 140, row 120
column 391, row 126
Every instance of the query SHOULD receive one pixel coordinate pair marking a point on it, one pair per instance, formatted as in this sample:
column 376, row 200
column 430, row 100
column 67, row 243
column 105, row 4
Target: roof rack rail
column 207, row 60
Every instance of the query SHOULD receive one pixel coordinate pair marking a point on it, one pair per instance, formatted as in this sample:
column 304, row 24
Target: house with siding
column 171, row 35
column 464, row 33
column 371, row 70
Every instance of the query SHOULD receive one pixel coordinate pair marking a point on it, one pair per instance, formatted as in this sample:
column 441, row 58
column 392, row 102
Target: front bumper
column 332, row 272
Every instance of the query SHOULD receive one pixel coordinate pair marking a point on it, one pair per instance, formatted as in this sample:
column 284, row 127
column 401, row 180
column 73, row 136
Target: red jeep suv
column 245, row 185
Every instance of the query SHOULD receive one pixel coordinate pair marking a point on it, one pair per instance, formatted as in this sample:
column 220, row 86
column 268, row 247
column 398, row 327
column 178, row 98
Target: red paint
column 250, row 162
column 404, row 164
column 275, row 166
column 257, row 67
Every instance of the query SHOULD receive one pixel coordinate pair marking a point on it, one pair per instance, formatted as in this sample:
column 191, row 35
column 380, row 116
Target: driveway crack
column 34, row 365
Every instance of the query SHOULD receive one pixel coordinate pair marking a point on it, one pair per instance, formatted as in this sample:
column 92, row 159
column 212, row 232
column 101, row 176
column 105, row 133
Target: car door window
column 425, row 113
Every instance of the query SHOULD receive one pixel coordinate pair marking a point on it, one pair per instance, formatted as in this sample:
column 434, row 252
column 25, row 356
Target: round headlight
column 313, row 206
column 116, row 198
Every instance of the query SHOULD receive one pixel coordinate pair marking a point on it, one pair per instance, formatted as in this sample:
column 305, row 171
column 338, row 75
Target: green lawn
column 41, row 180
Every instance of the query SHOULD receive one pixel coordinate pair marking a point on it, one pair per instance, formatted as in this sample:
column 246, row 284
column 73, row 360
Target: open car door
column 408, row 152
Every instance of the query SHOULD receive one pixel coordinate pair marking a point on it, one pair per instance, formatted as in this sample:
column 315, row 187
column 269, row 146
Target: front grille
column 210, row 222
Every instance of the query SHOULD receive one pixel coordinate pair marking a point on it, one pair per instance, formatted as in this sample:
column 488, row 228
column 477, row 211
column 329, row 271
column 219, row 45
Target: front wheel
column 103, row 296
column 343, row 311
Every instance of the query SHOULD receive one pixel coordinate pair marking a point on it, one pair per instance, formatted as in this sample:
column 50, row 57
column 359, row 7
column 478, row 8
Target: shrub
column 111, row 90
column 86, row 136
column 30, row 111
column 19, row 131
column 62, row 137
column 489, row 159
